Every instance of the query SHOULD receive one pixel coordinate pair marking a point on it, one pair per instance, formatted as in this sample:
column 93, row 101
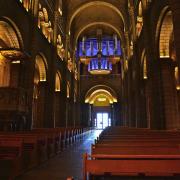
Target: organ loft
column 89, row 89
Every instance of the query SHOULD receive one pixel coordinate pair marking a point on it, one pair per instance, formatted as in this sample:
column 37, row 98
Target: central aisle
column 66, row 164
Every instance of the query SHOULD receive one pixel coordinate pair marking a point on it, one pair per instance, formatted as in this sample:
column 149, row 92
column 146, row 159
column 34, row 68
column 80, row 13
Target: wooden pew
column 122, row 151
column 10, row 157
column 34, row 146
column 37, row 146
column 131, row 165
column 140, row 149
column 53, row 140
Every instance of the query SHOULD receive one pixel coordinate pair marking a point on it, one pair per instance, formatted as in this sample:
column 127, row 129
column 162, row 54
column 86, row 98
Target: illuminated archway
column 91, row 98
column 144, row 65
column 164, row 33
column 101, row 109
column 40, row 76
column 68, row 89
column 42, row 66
column 98, row 88
column 58, row 82
column 10, row 39
column 139, row 23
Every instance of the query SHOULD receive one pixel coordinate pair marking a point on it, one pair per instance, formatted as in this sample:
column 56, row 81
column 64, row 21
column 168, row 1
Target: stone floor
column 66, row 164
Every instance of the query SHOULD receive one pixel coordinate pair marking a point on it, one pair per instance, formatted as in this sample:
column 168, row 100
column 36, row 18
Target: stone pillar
column 84, row 114
column 30, row 65
column 62, row 121
column 156, row 105
column 132, row 18
column 112, row 115
column 67, row 112
column 175, row 7
column 131, row 97
column 90, row 116
column 169, row 94
column 127, row 43
column 66, row 77
column 125, row 101
column 142, row 121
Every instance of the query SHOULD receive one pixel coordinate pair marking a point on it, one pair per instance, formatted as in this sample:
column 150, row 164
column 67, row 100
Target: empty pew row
column 131, row 165
column 133, row 152
column 20, row 151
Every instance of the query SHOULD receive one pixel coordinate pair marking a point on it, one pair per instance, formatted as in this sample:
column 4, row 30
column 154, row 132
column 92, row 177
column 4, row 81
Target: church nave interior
column 70, row 69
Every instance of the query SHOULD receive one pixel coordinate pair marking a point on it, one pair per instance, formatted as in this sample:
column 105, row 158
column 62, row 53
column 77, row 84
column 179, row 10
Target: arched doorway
column 13, row 99
column 101, row 109
column 168, row 65
column 9, row 43
column 39, row 93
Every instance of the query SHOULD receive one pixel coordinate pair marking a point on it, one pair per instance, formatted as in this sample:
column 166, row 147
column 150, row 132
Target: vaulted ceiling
column 86, row 16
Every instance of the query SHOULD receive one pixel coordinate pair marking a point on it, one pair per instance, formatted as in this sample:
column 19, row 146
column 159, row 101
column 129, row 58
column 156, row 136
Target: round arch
column 164, row 31
column 144, row 64
column 10, row 40
column 58, row 81
column 41, row 63
column 11, row 32
column 94, row 3
column 68, row 89
column 95, row 91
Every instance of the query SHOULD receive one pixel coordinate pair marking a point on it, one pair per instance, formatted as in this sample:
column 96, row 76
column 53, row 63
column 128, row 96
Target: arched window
column 60, row 7
column 58, row 82
column 41, row 65
column 144, row 65
column 39, row 74
column 177, row 78
column 145, row 76
column 68, row 89
column 139, row 23
column 26, row 4
column 9, row 39
column 165, row 37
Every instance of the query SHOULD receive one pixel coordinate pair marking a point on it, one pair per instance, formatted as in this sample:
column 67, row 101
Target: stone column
column 132, row 18
column 169, row 94
column 30, row 65
column 175, row 7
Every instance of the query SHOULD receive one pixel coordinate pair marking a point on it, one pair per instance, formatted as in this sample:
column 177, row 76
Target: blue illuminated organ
column 99, row 53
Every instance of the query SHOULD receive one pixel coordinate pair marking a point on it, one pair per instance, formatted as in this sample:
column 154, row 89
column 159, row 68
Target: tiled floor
column 66, row 164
